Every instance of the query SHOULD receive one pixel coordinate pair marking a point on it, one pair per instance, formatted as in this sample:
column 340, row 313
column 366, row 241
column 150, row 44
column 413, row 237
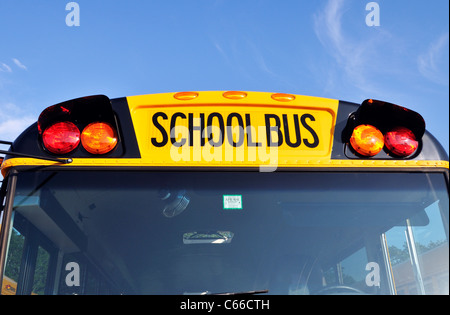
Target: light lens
column 99, row 138
column 61, row 138
column 401, row 142
column 234, row 95
column 367, row 140
column 283, row 97
column 186, row 96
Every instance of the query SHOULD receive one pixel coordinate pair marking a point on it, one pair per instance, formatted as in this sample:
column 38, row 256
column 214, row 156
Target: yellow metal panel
column 313, row 164
column 254, row 129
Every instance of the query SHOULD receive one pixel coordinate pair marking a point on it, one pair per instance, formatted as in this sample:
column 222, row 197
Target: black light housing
column 81, row 113
column 84, row 111
column 386, row 117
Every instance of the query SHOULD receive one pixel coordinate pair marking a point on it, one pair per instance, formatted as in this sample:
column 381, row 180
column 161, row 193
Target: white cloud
column 5, row 68
column 354, row 57
column 433, row 64
column 328, row 29
column 19, row 64
column 13, row 121
column 11, row 128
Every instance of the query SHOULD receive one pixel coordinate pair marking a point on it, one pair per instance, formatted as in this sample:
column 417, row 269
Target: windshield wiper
column 236, row 293
column 47, row 158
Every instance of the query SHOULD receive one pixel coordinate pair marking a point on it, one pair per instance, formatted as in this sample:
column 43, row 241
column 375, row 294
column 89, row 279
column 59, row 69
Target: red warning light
column 401, row 142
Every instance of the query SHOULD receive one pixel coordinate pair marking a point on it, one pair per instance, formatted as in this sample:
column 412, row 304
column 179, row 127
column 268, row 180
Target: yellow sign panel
column 214, row 131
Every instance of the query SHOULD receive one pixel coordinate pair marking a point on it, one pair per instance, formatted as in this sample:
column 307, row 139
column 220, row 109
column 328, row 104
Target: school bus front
column 226, row 192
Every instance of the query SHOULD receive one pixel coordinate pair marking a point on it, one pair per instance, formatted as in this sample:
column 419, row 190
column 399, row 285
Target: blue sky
column 320, row 48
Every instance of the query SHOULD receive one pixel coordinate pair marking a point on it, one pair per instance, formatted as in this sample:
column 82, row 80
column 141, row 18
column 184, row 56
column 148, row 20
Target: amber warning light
column 99, row 138
column 367, row 140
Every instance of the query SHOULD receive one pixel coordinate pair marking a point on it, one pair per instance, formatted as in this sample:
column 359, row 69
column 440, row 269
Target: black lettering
column 297, row 131
column 209, row 132
column 173, row 121
column 270, row 129
column 230, row 129
column 309, row 128
column 165, row 138
column 248, row 126
column 201, row 128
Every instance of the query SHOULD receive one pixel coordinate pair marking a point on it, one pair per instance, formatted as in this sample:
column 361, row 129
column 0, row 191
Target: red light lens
column 401, row 142
column 61, row 138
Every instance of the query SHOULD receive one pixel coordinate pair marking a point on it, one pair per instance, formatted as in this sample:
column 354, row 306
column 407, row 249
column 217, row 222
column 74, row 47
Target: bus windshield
column 183, row 232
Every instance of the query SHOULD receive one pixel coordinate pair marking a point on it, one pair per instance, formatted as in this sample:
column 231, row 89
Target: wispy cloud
column 221, row 50
column 19, row 64
column 11, row 128
column 353, row 56
column 250, row 59
column 260, row 59
column 433, row 64
column 13, row 121
column 231, row 55
column 4, row 67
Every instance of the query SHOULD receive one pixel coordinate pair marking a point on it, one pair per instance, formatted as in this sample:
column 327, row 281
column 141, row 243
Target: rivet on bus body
column 282, row 97
column 185, row 96
column 235, row 95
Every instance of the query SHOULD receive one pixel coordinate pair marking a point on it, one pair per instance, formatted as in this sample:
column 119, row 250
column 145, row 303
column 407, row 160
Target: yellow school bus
column 225, row 192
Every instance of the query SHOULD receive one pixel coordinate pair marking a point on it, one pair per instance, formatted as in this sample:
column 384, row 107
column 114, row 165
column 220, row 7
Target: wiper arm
column 47, row 158
column 237, row 293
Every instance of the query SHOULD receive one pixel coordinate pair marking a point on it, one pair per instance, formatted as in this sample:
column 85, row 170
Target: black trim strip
column 125, row 123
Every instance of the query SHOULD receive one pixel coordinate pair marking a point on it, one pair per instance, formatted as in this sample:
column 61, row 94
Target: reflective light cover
column 401, row 141
column 99, row 138
column 61, row 138
column 367, row 140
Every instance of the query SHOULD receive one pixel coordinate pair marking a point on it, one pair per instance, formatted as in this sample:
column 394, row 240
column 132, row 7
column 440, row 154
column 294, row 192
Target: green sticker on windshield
column 232, row 202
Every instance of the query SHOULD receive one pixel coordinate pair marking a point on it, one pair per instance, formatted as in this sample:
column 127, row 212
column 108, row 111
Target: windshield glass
column 118, row 232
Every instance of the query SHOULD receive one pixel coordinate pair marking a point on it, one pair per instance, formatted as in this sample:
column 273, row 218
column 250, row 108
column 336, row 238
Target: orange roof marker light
column 282, row 97
column 186, row 96
column 367, row 140
column 99, row 138
column 234, row 95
